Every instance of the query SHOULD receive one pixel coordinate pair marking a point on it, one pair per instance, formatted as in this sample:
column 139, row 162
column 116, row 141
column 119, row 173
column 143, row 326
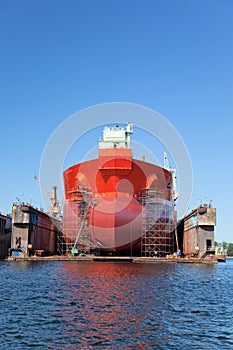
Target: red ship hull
column 106, row 195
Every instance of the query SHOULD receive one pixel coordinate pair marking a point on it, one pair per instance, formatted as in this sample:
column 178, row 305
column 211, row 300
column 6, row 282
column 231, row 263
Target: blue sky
column 174, row 56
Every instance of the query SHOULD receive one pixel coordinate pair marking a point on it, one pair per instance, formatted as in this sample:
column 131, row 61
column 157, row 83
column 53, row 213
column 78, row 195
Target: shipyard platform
column 116, row 259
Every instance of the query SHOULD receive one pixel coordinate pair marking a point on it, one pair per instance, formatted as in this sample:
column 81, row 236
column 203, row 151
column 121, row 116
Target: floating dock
column 36, row 236
column 116, row 259
column 33, row 232
column 5, row 235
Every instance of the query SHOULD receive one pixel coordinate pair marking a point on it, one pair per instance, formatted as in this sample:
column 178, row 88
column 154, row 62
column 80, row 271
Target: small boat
column 220, row 257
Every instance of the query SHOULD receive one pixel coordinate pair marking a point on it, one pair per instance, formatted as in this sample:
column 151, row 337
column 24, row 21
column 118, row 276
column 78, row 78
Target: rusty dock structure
column 197, row 233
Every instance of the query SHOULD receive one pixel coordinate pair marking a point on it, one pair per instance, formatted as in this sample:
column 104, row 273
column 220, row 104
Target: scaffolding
column 157, row 225
column 158, row 229
column 76, row 228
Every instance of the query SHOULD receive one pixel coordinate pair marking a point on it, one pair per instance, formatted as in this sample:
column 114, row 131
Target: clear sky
column 174, row 56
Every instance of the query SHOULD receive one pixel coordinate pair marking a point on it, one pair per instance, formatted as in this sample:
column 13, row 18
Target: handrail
column 210, row 248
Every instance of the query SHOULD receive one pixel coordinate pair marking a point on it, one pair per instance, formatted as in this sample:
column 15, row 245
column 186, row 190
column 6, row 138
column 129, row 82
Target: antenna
column 18, row 198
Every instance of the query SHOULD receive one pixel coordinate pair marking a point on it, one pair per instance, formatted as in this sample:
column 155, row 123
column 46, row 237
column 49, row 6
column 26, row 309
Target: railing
column 208, row 249
column 204, row 253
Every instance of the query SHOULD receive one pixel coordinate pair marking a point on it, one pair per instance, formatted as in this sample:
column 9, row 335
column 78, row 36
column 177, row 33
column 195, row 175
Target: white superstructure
column 116, row 137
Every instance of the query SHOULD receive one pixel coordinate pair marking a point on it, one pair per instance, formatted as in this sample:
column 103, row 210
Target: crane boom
column 43, row 186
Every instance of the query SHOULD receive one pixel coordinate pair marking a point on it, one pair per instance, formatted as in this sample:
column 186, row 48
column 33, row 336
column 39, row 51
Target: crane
column 54, row 209
column 173, row 172
column 48, row 193
column 174, row 192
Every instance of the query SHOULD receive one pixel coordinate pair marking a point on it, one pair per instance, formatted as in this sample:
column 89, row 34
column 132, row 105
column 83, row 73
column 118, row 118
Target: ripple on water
column 70, row 305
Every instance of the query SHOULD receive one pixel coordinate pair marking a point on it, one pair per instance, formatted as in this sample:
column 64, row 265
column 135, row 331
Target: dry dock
column 136, row 260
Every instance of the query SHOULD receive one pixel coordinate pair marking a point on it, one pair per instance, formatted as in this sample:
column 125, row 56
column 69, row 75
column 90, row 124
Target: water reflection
column 125, row 304
column 73, row 305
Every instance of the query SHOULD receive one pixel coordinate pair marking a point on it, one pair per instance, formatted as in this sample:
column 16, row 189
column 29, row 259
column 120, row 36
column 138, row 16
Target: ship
column 116, row 204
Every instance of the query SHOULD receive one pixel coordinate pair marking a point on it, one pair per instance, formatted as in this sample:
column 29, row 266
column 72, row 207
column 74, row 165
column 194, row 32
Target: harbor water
column 99, row 305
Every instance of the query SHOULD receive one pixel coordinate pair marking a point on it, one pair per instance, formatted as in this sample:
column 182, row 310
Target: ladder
column 75, row 250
